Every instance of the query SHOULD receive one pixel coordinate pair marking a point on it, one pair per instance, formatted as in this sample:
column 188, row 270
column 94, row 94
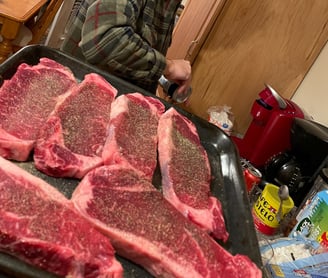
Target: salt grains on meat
column 26, row 101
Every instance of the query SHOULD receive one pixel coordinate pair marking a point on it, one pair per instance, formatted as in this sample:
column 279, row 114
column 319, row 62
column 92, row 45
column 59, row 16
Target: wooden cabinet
column 250, row 43
column 193, row 27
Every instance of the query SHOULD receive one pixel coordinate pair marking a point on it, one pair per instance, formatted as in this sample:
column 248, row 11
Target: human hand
column 179, row 71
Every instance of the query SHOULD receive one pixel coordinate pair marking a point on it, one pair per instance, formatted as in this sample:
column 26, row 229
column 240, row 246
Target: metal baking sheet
column 227, row 184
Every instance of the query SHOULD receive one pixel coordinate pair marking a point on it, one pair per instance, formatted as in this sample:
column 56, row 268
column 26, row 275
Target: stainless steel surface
column 283, row 194
column 171, row 89
column 282, row 103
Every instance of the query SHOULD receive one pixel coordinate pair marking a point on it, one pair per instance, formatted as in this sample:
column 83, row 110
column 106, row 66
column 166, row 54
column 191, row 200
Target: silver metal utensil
column 283, row 194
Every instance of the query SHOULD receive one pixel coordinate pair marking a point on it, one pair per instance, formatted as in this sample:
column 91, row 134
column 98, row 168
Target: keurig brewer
column 269, row 131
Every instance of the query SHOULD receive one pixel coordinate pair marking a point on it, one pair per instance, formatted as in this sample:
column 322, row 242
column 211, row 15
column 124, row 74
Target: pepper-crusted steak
column 40, row 226
column 186, row 173
column 72, row 140
column 26, row 100
column 132, row 135
column 148, row 230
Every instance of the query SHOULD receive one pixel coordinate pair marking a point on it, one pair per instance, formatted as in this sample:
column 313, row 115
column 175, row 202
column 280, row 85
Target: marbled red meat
column 132, row 136
column 26, row 100
column 41, row 227
column 186, row 173
column 72, row 140
column 149, row 231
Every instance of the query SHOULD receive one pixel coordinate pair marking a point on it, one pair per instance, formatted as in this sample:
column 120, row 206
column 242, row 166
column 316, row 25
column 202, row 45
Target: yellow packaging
column 266, row 208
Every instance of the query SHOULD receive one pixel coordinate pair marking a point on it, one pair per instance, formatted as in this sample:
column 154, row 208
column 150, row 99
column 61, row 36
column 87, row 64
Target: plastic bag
column 295, row 257
column 222, row 117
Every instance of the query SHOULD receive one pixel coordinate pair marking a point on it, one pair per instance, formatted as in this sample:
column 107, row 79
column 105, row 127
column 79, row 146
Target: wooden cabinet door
column 192, row 28
column 254, row 42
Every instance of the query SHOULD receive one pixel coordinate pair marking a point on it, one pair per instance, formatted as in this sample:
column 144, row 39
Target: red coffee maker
column 269, row 132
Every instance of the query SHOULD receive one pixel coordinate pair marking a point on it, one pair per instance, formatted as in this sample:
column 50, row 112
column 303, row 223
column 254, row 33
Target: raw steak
column 26, row 101
column 40, row 226
column 186, row 173
column 72, row 140
column 132, row 135
column 148, row 230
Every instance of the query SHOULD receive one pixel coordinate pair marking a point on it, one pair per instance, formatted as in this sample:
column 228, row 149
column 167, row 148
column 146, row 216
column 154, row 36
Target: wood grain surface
column 254, row 42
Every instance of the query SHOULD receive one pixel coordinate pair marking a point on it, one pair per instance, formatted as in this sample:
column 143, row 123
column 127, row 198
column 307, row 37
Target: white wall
column 312, row 94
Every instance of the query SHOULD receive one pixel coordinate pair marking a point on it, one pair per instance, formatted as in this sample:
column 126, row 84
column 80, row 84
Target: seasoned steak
column 148, row 230
column 41, row 227
column 186, row 173
column 132, row 136
column 26, row 100
column 71, row 142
